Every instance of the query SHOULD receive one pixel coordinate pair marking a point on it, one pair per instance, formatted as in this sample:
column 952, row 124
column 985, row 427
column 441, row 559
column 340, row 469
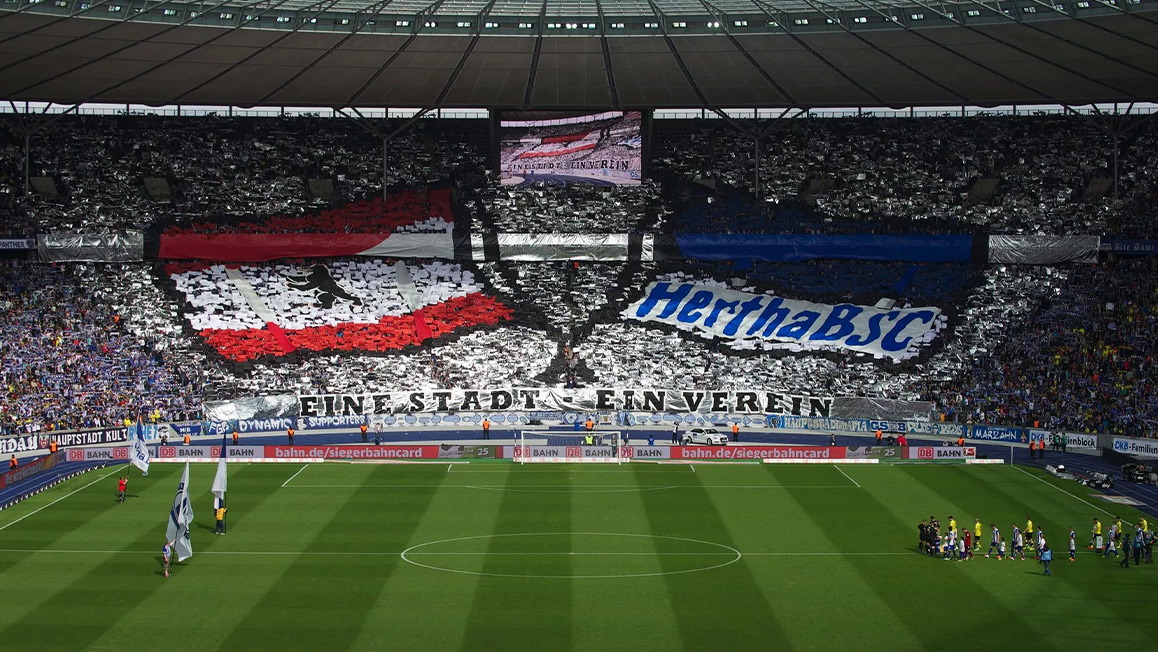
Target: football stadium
column 591, row 325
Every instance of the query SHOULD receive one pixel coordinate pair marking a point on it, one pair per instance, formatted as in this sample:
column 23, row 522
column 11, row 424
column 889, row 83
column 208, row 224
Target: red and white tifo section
column 370, row 305
column 544, row 453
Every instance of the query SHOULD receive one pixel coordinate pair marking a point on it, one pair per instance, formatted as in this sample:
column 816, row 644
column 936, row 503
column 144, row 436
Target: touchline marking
column 847, row 475
column 8, row 525
column 1100, row 509
column 294, row 475
column 566, row 486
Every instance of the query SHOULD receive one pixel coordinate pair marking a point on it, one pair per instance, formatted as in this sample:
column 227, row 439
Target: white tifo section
column 218, row 297
column 251, row 299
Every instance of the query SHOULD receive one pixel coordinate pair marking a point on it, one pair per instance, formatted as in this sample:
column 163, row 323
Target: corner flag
column 180, row 518
column 139, row 453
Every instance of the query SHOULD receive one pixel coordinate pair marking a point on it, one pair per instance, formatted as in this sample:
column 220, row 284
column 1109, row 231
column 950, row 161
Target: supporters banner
column 583, row 400
column 1008, row 434
column 1136, row 447
column 21, row 444
column 1074, row 440
column 824, row 424
column 258, row 247
column 1131, row 246
column 785, row 323
column 758, row 452
column 940, row 453
column 86, row 438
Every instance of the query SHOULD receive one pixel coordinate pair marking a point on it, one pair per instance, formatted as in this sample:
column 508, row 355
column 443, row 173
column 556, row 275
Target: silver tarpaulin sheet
column 91, row 247
column 881, row 409
column 1043, row 249
column 258, row 407
column 562, row 246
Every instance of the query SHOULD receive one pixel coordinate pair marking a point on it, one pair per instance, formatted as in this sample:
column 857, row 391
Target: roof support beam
column 662, row 19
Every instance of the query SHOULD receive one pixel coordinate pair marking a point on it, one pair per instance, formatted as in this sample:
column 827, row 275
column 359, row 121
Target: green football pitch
column 553, row 558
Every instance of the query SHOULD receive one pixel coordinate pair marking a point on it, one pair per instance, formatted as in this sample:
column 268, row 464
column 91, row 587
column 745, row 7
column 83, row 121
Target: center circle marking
column 724, row 550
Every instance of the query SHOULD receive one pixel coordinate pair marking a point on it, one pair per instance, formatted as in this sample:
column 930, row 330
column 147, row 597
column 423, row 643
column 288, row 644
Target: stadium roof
column 579, row 53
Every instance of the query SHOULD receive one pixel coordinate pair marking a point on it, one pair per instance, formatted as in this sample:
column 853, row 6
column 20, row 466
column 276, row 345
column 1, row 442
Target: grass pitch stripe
column 73, row 492
column 694, row 516
column 545, row 614
column 290, row 607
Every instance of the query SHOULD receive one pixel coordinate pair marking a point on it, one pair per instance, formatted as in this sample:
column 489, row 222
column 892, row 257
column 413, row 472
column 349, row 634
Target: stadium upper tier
column 591, row 53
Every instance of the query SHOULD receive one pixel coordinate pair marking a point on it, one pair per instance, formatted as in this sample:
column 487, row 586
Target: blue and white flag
column 180, row 518
column 220, row 481
column 138, row 452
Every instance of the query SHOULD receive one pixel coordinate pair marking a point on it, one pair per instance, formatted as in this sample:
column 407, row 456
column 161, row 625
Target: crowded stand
column 70, row 359
column 1067, row 346
column 1084, row 362
column 220, row 167
column 551, row 208
column 901, row 175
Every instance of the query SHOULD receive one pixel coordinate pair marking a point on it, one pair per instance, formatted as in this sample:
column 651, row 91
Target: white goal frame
column 606, row 453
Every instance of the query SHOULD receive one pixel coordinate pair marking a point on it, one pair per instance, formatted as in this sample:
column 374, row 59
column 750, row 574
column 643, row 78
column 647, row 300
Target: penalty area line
column 847, row 476
column 8, row 525
column 294, row 475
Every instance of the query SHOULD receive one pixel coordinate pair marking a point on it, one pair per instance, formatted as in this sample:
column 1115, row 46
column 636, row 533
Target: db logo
column 167, row 451
column 924, row 453
column 75, row 455
column 120, row 453
column 574, row 451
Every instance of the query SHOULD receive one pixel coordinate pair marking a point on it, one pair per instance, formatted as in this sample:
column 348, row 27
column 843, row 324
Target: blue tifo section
column 790, row 248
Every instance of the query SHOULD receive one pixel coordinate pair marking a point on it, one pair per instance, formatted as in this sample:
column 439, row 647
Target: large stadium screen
column 599, row 148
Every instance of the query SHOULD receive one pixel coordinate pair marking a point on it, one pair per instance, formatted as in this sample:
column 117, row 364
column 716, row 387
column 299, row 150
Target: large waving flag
column 180, row 518
column 139, row 452
column 271, row 310
column 220, row 481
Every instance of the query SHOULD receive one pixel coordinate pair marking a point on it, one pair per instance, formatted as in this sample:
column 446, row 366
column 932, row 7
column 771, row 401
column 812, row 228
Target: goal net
column 598, row 446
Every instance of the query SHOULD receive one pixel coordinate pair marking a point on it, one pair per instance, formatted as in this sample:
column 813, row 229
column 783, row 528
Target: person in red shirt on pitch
column 122, row 484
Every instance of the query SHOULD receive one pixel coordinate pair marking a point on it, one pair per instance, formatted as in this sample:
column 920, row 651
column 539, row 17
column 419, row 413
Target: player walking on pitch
column 995, row 542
